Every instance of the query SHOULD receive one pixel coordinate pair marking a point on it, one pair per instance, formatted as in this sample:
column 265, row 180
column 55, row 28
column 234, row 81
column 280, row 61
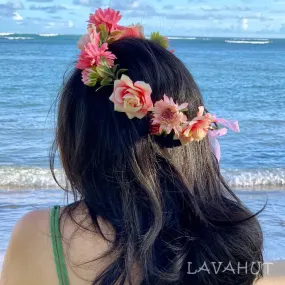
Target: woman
column 141, row 157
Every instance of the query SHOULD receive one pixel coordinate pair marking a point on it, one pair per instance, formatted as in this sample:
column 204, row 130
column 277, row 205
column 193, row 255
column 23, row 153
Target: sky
column 235, row 18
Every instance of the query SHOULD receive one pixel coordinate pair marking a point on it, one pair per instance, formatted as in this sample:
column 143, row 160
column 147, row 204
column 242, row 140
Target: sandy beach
column 276, row 270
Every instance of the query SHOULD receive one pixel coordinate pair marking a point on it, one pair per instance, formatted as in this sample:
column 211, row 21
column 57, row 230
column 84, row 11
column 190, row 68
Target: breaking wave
column 41, row 178
column 253, row 42
column 182, row 38
column 18, row 38
column 6, row 34
column 261, row 178
column 48, row 35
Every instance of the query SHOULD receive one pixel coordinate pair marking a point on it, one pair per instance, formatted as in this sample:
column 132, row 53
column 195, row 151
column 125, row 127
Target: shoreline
column 276, row 270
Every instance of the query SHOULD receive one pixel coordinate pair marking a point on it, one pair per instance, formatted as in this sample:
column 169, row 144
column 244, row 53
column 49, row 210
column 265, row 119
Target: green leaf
column 99, row 88
column 93, row 76
column 106, row 81
column 104, row 61
column 115, row 68
column 159, row 39
column 120, row 72
column 92, row 83
column 102, row 29
column 105, row 71
column 113, row 36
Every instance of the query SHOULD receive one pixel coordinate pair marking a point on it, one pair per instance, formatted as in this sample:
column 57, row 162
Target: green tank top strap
column 57, row 246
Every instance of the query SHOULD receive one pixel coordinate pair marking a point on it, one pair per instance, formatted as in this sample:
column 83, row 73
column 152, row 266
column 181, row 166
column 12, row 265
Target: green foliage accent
column 105, row 72
column 113, row 36
column 159, row 39
column 94, row 77
column 93, row 82
column 120, row 72
column 106, row 81
column 115, row 68
column 102, row 29
column 104, row 61
column 102, row 86
column 105, row 75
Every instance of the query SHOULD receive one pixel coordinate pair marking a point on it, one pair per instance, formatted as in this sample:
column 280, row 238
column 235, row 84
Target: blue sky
column 238, row 18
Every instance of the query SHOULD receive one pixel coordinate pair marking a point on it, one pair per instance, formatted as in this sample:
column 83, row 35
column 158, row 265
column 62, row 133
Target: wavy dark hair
column 168, row 204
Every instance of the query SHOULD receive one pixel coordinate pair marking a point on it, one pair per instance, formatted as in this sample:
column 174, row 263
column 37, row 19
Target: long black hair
column 168, row 204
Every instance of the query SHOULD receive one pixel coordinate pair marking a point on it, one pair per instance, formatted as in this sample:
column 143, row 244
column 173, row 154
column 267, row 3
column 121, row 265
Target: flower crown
column 134, row 98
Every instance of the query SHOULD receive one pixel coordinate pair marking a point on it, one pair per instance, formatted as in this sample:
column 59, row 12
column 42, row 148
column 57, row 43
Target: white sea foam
column 257, row 42
column 182, row 38
column 28, row 178
column 41, row 178
column 6, row 34
column 48, row 35
column 250, row 39
column 256, row 178
column 19, row 38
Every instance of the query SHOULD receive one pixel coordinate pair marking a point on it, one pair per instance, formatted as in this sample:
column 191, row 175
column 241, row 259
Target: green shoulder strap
column 57, row 246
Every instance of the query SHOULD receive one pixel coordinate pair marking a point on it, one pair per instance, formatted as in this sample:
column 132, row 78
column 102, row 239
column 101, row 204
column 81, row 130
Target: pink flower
column 133, row 31
column 92, row 55
column 83, row 41
column 214, row 134
column 132, row 98
column 89, row 76
column 92, row 36
column 232, row 125
column 197, row 129
column 168, row 115
column 109, row 17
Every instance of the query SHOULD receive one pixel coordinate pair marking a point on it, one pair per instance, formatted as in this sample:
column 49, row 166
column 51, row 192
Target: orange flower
column 197, row 129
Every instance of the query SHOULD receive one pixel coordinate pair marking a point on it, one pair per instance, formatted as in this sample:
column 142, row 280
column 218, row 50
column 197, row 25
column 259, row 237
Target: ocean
column 239, row 78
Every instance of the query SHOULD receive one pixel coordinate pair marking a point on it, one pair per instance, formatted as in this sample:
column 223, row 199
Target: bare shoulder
column 29, row 243
column 28, row 229
column 271, row 281
column 29, row 258
column 35, row 222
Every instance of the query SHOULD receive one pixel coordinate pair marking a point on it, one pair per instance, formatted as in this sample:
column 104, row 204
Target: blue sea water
column 240, row 78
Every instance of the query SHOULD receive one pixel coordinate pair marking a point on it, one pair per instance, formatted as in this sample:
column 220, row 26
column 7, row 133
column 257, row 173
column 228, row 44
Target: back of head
column 167, row 202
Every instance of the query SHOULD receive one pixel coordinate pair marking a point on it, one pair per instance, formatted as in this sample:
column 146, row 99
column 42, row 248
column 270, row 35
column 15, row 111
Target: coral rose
column 134, row 99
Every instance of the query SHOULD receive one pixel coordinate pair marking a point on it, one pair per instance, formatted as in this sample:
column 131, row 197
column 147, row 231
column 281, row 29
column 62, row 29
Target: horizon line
column 189, row 36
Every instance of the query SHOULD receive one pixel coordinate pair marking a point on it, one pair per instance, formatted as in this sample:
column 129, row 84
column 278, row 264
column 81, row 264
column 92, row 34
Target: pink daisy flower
column 92, row 55
column 109, row 17
column 168, row 115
